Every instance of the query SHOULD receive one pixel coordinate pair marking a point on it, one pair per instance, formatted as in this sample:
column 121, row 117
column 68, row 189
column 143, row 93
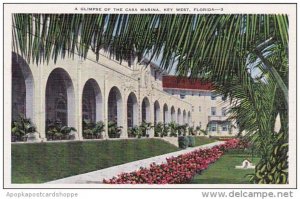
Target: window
column 213, row 127
column 224, row 127
column 199, row 108
column 182, row 95
column 223, row 111
column 213, row 111
column 213, row 96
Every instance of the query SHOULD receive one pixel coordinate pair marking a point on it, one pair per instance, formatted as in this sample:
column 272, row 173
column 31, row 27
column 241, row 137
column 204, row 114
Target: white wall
column 107, row 74
column 201, row 108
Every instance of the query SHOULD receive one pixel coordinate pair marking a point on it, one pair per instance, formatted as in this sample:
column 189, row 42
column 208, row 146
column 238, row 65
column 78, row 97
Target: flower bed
column 177, row 170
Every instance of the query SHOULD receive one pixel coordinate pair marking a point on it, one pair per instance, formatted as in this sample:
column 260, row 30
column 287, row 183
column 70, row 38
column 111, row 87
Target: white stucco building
column 209, row 111
column 73, row 89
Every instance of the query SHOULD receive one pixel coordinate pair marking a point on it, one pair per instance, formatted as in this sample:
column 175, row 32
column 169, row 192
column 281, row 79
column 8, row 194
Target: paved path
column 96, row 177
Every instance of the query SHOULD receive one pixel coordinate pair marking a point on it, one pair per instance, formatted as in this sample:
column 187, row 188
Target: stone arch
column 60, row 98
column 22, row 88
column 179, row 116
column 92, row 101
column 173, row 114
column 189, row 118
column 145, row 110
column 166, row 114
column 156, row 112
column 184, row 117
column 132, row 110
column 114, row 106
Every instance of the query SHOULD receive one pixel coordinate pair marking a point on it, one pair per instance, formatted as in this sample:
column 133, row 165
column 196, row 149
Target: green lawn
column 42, row 162
column 201, row 140
column 223, row 170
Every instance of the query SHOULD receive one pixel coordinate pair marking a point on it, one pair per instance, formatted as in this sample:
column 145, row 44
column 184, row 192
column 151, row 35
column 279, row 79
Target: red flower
column 180, row 169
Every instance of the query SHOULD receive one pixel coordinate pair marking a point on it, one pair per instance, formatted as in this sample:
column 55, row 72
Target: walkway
column 96, row 177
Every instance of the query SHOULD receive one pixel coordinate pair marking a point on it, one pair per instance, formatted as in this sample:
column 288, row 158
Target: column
column 105, row 108
column 40, row 102
column 152, row 113
column 124, row 133
column 78, row 100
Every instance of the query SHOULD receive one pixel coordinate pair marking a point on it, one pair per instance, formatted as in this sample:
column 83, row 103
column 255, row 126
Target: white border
column 289, row 9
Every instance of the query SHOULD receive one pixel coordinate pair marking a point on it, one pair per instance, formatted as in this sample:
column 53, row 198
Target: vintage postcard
column 149, row 95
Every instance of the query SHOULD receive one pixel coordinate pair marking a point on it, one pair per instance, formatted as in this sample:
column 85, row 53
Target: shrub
column 92, row 130
column 21, row 127
column 144, row 129
column 158, row 129
column 173, row 129
column 192, row 141
column 166, row 130
column 114, row 131
column 182, row 129
column 56, row 131
column 133, row 131
column 183, row 142
column 191, row 130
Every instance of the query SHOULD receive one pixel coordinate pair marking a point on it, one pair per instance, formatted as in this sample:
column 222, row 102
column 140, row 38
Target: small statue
column 246, row 164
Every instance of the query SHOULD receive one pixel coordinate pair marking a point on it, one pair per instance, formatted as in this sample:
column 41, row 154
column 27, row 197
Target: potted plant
column 166, row 130
column 32, row 135
column 53, row 130
column 98, row 130
column 69, row 132
column 173, row 129
column 133, row 131
column 88, row 127
column 145, row 127
column 158, row 129
column 24, row 130
column 114, row 131
column 17, row 132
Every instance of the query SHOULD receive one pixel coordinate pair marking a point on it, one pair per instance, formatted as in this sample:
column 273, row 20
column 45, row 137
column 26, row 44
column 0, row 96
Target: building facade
column 72, row 90
column 209, row 110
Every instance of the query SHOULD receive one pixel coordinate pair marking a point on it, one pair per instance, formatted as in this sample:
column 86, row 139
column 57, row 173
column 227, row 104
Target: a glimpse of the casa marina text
column 148, row 9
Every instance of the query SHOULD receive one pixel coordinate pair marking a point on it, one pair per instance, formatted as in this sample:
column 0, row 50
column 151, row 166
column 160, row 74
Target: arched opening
column 173, row 116
column 156, row 112
column 22, row 89
column 189, row 118
column 60, row 99
column 179, row 117
column 145, row 110
column 115, row 106
column 184, row 117
column 91, row 101
column 166, row 114
column 132, row 110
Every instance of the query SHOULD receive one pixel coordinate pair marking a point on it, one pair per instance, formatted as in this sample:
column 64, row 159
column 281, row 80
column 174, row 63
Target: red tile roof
column 185, row 83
